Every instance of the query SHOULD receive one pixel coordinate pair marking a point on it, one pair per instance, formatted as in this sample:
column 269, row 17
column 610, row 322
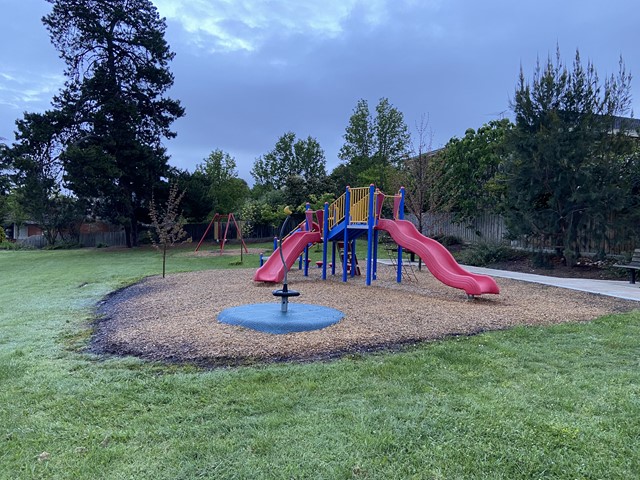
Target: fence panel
column 492, row 228
column 110, row 239
column 34, row 241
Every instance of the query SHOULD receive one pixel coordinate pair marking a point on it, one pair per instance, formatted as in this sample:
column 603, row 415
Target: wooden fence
column 487, row 228
column 106, row 239
column 492, row 228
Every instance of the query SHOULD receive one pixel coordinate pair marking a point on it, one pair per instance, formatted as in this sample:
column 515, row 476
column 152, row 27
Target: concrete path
column 612, row 288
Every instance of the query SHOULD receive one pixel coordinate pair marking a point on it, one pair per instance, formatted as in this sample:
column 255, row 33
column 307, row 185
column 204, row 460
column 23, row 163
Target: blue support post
column 306, row 249
column 275, row 243
column 325, row 240
column 400, row 216
column 354, row 259
column 375, row 254
column 345, row 243
column 306, row 261
column 333, row 258
column 370, row 224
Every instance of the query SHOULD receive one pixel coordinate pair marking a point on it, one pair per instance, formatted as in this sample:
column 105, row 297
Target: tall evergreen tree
column 114, row 102
column 568, row 162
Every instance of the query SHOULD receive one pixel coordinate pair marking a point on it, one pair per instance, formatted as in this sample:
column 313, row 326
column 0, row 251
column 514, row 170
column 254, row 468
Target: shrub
column 485, row 253
column 63, row 246
column 542, row 259
column 449, row 240
column 15, row 246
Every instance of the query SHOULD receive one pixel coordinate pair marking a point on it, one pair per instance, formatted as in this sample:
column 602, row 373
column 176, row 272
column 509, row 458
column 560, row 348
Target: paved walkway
column 612, row 288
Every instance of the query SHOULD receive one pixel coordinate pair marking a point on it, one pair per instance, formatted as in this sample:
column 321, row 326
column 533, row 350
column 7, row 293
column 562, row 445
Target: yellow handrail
column 359, row 205
column 300, row 226
column 336, row 211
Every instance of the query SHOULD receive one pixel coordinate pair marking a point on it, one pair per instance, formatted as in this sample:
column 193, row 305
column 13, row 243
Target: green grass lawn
column 556, row 402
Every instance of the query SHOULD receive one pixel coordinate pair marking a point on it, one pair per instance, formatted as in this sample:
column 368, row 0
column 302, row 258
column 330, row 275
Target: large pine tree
column 114, row 102
column 570, row 164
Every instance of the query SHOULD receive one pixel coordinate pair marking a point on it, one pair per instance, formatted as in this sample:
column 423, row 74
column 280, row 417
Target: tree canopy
column 289, row 157
column 226, row 191
column 373, row 145
column 114, row 106
column 469, row 170
column 569, row 166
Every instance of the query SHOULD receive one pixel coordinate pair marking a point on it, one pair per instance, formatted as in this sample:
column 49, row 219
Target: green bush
column 3, row 235
column 450, row 240
column 14, row 246
column 485, row 253
column 63, row 246
column 542, row 259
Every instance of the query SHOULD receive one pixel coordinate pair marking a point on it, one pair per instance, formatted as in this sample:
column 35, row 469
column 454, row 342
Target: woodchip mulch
column 175, row 319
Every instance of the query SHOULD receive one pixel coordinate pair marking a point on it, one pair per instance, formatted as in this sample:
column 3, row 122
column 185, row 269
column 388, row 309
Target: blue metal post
column 306, row 249
column 345, row 243
column 400, row 217
column 354, row 259
column 325, row 240
column 375, row 254
column 275, row 243
column 370, row 225
column 333, row 258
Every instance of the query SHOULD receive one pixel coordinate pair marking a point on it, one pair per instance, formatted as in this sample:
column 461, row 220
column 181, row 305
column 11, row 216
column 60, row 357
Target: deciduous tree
column 226, row 191
column 37, row 176
column 469, row 170
column 167, row 223
column 373, row 145
column 290, row 157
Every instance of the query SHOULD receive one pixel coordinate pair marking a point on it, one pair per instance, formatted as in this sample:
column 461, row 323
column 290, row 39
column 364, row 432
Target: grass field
column 558, row 402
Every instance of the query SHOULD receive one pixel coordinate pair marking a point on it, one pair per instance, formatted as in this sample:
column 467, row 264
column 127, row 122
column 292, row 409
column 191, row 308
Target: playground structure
column 356, row 213
column 217, row 221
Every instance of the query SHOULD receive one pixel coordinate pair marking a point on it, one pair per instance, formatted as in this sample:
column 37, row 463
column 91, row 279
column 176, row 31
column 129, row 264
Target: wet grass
column 553, row 402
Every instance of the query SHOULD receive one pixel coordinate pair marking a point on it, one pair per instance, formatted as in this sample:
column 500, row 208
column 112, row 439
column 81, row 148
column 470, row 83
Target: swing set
column 217, row 221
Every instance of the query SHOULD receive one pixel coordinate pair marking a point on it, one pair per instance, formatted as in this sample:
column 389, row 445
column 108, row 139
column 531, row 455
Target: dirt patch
column 175, row 319
column 585, row 268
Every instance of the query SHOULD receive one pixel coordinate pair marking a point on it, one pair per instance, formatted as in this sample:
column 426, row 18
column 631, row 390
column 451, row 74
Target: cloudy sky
column 248, row 71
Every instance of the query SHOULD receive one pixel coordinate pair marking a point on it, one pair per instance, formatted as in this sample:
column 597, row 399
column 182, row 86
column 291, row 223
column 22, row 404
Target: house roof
column 626, row 123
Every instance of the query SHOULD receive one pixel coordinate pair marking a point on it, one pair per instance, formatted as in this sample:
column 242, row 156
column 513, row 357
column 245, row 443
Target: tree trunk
column 134, row 230
column 127, row 235
column 164, row 258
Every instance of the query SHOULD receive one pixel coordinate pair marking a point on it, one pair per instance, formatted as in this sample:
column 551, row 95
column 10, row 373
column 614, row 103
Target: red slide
column 437, row 258
column 292, row 247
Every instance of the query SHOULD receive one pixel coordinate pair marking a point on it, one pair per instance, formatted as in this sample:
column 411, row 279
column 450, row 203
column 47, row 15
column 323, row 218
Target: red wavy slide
column 437, row 258
column 292, row 246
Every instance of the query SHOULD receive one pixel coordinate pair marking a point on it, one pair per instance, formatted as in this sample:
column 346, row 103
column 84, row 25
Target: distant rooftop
column 626, row 123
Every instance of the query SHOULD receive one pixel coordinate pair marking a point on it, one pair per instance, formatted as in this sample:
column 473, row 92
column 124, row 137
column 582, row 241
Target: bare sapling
column 167, row 224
